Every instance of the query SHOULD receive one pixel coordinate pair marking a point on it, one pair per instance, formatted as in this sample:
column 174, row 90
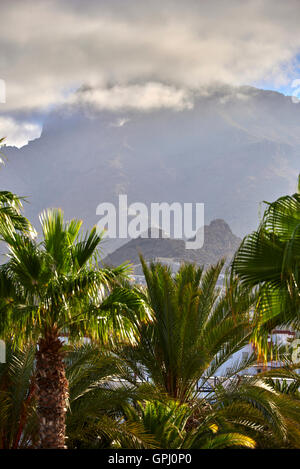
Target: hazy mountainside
column 219, row 241
column 232, row 150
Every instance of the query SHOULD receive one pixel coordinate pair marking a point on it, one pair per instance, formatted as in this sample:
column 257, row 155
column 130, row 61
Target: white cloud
column 143, row 97
column 18, row 133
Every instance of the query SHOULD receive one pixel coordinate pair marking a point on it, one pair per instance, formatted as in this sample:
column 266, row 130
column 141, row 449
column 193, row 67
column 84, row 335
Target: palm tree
column 270, row 258
column 197, row 327
column 105, row 412
column 51, row 289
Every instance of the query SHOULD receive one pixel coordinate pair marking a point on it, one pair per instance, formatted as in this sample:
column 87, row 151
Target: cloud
column 18, row 133
column 143, row 97
column 141, row 54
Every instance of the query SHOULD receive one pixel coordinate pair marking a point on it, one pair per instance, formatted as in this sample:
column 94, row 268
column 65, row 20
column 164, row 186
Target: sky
column 138, row 54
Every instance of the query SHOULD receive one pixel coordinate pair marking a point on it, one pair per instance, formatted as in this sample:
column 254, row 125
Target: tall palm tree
column 270, row 258
column 51, row 289
column 197, row 327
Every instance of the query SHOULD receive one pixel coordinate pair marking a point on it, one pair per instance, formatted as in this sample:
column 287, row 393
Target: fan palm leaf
column 270, row 258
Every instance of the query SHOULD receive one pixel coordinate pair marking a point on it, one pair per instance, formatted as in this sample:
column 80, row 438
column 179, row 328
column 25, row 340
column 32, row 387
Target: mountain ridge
column 219, row 242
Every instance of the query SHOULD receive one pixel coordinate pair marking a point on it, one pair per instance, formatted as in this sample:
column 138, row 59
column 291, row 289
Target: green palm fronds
column 270, row 258
column 11, row 218
column 56, row 285
column 196, row 327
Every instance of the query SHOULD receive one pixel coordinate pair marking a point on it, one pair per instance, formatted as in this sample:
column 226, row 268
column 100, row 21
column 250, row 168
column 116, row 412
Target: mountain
column 219, row 241
column 234, row 148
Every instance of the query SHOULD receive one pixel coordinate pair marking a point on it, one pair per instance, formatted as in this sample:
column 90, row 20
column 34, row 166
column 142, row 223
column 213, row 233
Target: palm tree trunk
column 52, row 391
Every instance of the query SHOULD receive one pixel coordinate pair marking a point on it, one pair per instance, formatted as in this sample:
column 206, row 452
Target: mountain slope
column 233, row 149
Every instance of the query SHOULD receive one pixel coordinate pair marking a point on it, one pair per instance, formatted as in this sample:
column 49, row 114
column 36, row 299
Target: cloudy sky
column 139, row 54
